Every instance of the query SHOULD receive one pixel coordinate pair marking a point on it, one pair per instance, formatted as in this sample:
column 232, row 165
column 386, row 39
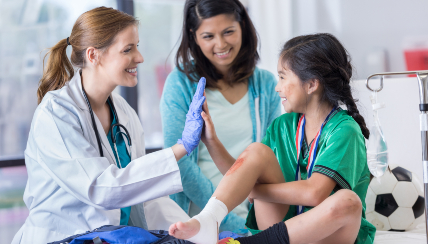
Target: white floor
column 416, row 236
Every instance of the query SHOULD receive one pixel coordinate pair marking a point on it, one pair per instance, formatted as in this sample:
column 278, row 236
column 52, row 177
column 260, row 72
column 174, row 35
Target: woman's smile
column 223, row 55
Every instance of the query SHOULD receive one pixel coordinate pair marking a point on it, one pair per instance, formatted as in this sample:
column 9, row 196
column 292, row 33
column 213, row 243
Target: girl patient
column 308, row 178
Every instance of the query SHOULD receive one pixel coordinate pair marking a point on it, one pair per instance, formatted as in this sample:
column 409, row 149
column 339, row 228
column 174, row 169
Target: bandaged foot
column 202, row 228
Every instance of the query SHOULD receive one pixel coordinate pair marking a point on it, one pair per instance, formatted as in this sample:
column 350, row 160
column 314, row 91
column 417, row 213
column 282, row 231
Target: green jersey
column 341, row 155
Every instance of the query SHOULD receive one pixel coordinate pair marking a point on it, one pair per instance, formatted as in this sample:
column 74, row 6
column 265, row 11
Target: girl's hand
column 208, row 132
column 252, row 194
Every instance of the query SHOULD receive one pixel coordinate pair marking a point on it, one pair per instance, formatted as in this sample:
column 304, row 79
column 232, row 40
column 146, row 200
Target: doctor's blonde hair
column 95, row 28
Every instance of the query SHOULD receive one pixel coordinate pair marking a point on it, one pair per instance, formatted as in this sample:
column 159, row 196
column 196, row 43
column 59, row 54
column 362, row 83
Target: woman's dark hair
column 245, row 62
column 322, row 57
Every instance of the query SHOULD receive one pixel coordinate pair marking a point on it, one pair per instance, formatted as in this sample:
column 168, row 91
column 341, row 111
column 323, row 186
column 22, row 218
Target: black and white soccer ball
column 395, row 201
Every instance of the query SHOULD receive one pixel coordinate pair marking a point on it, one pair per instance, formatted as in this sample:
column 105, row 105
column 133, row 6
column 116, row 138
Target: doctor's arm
column 179, row 151
column 75, row 165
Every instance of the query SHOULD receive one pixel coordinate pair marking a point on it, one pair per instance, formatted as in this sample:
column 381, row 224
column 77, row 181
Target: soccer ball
column 395, row 201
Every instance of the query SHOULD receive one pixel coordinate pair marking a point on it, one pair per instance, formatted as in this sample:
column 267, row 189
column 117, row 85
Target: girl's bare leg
column 336, row 220
column 257, row 164
column 268, row 214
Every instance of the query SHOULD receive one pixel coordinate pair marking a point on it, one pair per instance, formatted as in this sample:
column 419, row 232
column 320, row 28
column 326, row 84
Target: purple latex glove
column 194, row 122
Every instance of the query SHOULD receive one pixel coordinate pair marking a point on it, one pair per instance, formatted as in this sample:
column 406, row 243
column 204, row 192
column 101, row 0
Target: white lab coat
column 71, row 189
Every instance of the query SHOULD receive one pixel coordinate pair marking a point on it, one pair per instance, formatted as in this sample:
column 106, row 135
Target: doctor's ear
column 92, row 55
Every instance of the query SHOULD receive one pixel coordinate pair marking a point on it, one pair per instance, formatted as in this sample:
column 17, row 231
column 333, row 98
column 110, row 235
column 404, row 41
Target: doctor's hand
column 194, row 123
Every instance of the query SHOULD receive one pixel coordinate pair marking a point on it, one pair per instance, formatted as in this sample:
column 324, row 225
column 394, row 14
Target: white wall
column 399, row 120
column 365, row 27
column 273, row 22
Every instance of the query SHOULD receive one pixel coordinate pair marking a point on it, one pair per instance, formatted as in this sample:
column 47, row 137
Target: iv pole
column 422, row 76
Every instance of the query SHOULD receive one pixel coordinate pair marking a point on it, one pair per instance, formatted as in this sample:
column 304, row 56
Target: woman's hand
column 208, row 132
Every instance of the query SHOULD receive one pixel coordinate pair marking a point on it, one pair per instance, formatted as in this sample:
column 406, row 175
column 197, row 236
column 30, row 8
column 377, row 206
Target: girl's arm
column 221, row 157
column 309, row 192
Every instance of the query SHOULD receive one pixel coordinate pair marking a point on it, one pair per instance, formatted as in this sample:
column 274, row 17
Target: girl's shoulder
column 340, row 121
column 343, row 123
column 286, row 121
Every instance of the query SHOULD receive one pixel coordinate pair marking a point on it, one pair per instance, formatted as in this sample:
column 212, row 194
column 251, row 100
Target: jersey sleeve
column 267, row 138
column 342, row 156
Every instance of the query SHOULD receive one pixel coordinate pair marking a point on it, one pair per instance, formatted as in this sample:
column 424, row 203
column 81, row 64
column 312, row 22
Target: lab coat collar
column 75, row 85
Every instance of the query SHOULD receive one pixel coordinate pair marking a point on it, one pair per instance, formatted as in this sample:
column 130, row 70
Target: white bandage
column 209, row 219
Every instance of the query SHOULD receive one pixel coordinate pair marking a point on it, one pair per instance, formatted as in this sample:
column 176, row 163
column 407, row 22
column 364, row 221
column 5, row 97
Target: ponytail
column 95, row 28
column 322, row 56
column 57, row 72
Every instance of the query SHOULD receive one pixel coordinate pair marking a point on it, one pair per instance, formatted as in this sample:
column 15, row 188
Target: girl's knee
column 345, row 204
column 258, row 149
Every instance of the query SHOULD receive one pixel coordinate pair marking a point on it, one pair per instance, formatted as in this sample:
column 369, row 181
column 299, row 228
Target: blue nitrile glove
column 194, row 122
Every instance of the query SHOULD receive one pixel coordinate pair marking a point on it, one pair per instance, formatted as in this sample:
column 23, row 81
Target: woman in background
column 219, row 42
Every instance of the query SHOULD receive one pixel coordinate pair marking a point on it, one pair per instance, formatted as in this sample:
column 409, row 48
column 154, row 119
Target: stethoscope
column 113, row 136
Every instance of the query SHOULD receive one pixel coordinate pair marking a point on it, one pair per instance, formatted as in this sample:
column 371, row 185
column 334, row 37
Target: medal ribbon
column 312, row 152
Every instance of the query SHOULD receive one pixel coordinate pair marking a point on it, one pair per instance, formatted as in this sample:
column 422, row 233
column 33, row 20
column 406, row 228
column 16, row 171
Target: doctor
column 85, row 151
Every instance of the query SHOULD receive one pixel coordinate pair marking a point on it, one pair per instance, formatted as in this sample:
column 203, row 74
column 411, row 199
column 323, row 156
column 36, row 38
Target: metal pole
column 423, row 107
column 424, row 136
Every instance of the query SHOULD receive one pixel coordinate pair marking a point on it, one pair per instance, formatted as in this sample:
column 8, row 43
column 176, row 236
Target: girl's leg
column 268, row 213
column 257, row 164
column 336, row 220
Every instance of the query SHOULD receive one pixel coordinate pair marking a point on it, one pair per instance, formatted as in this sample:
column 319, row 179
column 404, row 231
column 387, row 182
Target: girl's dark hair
column 322, row 57
column 245, row 62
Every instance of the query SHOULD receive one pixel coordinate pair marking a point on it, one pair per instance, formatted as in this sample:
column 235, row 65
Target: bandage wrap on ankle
column 209, row 219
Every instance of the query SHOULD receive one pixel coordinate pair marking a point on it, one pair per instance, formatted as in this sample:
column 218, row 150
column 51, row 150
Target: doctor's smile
column 132, row 71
